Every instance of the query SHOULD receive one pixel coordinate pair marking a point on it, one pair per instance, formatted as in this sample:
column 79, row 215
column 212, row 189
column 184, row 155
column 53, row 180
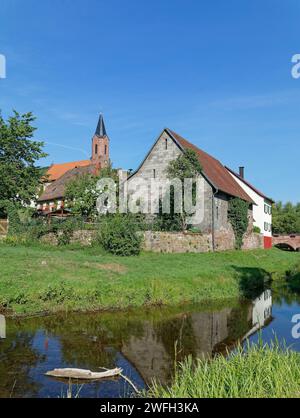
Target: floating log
column 81, row 374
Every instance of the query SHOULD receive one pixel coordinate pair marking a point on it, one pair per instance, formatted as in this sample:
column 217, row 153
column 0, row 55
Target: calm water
column 141, row 342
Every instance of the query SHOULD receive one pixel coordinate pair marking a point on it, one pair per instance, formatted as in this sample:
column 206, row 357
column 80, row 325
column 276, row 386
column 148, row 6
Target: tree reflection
column 17, row 358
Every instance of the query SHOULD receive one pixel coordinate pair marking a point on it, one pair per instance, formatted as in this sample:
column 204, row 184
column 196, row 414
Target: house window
column 166, row 143
column 266, row 209
column 154, row 173
column 105, row 149
column 96, row 149
column 266, row 226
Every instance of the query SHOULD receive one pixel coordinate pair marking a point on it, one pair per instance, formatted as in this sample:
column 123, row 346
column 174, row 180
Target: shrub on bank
column 32, row 230
column 259, row 372
column 118, row 234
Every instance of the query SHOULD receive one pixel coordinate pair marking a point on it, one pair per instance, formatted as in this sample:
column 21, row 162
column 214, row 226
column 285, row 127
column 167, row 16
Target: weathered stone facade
column 215, row 205
column 179, row 242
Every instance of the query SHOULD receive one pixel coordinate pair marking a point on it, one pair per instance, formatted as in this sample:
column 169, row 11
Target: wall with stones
column 173, row 242
column 179, row 242
column 82, row 237
column 253, row 241
column 176, row 242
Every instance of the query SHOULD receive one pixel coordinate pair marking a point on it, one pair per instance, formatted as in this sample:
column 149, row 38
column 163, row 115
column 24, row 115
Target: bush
column 118, row 234
column 256, row 230
column 34, row 229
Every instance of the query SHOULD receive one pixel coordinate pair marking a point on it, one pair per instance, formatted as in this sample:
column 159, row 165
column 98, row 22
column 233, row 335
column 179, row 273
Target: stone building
column 219, row 185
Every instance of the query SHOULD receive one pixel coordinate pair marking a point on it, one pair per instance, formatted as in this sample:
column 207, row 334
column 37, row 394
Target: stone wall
column 173, row 242
column 253, row 241
column 82, row 237
column 178, row 242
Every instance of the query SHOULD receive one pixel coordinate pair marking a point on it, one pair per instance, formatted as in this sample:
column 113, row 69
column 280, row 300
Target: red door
column 268, row 242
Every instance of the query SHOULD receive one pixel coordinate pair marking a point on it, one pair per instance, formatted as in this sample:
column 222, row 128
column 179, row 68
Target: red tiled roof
column 249, row 185
column 57, row 170
column 56, row 190
column 214, row 170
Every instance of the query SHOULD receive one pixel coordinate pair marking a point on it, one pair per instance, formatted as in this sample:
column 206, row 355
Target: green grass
column 262, row 372
column 38, row 278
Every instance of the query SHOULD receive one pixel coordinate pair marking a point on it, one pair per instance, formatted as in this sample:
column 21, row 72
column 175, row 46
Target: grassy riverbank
column 263, row 372
column 39, row 278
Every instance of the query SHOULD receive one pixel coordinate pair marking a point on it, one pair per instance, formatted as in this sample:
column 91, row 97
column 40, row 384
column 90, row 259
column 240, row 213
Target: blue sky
column 217, row 72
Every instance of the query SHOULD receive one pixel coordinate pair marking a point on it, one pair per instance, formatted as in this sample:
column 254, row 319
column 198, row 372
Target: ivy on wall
column 11, row 211
column 238, row 217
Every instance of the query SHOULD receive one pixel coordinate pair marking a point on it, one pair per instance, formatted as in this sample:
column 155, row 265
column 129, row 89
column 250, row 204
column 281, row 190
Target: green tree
column 19, row 175
column 81, row 193
column 185, row 166
column 286, row 218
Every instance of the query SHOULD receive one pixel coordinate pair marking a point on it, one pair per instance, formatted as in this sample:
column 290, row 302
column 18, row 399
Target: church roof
column 100, row 130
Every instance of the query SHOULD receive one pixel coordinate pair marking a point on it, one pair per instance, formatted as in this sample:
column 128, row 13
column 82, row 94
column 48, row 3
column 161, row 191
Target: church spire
column 100, row 145
column 100, row 130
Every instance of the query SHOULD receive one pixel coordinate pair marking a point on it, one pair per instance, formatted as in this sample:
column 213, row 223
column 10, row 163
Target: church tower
column 100, row 145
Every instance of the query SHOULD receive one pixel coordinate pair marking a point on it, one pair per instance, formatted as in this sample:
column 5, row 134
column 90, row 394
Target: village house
column 58, row 175
column 262, row 210
column 219, row 186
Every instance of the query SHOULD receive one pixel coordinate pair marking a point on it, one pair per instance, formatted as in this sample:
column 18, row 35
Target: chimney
column 242, row 172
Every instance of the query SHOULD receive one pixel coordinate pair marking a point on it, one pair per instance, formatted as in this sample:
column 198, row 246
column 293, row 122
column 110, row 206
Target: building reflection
column 261, row 312
column 199, row 334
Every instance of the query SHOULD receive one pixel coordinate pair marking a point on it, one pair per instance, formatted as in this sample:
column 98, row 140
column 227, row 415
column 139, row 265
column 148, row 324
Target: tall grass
column 258, row 372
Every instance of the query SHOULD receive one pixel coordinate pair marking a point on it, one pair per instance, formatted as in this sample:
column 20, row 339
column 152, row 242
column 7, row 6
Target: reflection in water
column 144, row 343
column 261, row 312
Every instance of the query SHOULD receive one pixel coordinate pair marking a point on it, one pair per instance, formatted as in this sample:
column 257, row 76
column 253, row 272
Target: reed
column 259, row 371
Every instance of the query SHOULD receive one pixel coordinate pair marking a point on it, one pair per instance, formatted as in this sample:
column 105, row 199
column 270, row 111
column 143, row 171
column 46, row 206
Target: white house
column 262, row 211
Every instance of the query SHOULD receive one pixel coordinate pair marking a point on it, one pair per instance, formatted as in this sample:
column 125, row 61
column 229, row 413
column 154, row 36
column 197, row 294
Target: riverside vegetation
column 261, row 371
column 38, row 278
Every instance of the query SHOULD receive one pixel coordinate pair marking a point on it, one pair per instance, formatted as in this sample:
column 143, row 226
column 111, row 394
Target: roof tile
column 214, row 170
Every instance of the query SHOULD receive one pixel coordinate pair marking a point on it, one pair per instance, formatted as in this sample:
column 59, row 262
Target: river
column 144, row 343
